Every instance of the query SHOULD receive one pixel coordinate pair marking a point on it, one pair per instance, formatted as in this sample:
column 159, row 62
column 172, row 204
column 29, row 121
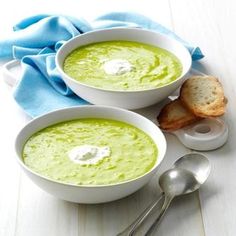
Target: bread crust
column 191, row 94
column 174, row 116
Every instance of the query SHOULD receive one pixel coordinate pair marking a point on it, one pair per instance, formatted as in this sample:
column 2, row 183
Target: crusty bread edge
column 219, row 112
column 178, row 123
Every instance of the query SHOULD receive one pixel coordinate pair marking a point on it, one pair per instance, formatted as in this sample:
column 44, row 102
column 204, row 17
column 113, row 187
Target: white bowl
column 124, row 99
column 90, row 194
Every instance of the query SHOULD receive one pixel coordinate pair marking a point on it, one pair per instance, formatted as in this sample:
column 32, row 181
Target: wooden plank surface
column 25, row 210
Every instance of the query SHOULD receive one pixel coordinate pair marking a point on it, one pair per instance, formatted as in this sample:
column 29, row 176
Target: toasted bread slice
column 203, row 96
column 174, row 116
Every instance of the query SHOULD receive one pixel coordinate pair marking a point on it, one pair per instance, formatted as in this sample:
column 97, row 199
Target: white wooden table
column 25, row 210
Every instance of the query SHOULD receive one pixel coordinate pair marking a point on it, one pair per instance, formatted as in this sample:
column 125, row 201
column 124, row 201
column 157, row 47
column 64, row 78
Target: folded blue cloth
column 35, row 41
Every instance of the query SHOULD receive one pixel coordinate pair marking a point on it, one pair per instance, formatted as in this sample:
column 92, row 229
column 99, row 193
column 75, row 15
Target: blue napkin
column 35, row 41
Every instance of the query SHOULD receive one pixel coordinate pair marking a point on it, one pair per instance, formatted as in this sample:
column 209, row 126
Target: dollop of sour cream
column 117, row 67
column 88, row 154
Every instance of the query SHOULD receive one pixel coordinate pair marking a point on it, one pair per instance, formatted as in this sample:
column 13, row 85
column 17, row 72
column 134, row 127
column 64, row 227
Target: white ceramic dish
column 124, row 99
column 90, row 194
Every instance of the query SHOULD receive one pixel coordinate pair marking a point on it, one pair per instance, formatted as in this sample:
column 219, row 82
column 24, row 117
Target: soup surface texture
column 132, row 152
column 122, row 66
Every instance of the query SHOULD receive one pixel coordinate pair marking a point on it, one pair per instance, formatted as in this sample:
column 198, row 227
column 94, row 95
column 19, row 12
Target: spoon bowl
column 196, row 163
column 175, row 182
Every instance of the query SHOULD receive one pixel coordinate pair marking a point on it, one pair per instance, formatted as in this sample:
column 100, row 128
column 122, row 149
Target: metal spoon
column 187, row 175
column 196, row 163
column 174, row 182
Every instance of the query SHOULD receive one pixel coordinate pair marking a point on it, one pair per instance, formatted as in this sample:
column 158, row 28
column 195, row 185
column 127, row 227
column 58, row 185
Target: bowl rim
column 35, row 120
column 60, row 52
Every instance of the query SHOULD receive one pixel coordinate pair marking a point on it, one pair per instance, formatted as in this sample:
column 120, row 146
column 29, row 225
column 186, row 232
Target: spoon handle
column 130, row 230
column 165, row 206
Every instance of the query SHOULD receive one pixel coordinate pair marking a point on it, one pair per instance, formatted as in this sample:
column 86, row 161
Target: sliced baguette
column 174, row 116
column 203, row 96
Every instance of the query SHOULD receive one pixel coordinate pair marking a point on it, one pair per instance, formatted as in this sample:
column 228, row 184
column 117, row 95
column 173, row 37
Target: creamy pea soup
column 90, row 152
column 122, row 65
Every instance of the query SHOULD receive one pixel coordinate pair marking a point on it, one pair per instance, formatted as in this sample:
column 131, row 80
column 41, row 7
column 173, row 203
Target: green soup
column 132, row 152
column 141, row 66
